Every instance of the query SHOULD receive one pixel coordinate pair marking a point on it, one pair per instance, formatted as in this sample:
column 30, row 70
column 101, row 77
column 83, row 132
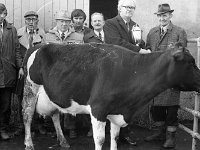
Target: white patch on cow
column 98, row 132
column 114, row 134
column 117, row 119
column 34, row 86
column 46, row 107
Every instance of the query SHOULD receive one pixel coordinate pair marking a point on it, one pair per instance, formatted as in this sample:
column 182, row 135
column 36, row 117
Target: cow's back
column 70, row 71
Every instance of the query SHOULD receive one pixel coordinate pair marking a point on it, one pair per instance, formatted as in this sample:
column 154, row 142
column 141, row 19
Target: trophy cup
column 137, row 35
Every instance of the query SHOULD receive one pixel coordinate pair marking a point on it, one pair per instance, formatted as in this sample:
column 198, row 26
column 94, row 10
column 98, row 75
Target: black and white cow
column 105, row 81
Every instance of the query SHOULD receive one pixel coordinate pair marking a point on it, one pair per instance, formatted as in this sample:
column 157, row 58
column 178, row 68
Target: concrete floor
column 48, row 142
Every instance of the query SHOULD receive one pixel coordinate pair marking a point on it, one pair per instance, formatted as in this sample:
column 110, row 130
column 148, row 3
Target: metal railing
column 194, row 133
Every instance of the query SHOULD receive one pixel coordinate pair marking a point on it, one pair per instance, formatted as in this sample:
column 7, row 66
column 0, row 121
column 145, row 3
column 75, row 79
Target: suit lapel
column 122, row 23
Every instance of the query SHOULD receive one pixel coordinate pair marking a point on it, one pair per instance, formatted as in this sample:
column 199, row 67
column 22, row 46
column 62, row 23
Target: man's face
column 3, row 16
column 63, row 25
column 97, row 22
column 78, row 21
column 31, row 22
column 127, row 9
column 164, row 19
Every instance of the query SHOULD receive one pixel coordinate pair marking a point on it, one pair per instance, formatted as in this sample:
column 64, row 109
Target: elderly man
column 29, row 36
column 96, row 35
column 122, row 30
column 10, row 63
column 165, row 107
column 63, row 32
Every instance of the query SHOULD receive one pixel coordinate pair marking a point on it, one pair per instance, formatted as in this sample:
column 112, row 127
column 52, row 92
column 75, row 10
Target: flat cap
column 63, row 15
column 30, row 13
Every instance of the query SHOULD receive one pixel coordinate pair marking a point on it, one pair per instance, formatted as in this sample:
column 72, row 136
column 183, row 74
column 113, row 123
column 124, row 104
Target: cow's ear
column 178, row 54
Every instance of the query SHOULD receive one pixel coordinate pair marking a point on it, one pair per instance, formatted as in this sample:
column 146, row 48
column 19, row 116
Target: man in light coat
column 63, row 32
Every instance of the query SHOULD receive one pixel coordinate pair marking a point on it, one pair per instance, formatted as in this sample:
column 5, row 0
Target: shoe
column 72, row 134
column 4, row 135
column 42, row 130
column 170, row 137
column 90, row 133
column 130, row 141
column 159, row 134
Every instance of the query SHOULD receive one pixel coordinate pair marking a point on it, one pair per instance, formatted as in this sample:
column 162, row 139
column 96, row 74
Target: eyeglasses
column 129, row 7
column 31, row 19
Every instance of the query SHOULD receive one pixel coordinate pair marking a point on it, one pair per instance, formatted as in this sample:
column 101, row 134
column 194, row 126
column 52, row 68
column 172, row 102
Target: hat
column 63, row 15
column 30, row 13
column 163, row 8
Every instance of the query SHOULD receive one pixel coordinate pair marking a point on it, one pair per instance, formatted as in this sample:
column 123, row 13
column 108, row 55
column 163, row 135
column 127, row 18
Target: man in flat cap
column 29, row 36
column 165, row 105
column 63, row 32
column 10, row 63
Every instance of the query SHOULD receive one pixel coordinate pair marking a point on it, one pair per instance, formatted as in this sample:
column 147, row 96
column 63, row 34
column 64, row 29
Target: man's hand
column 144, row 51
column 21, row 73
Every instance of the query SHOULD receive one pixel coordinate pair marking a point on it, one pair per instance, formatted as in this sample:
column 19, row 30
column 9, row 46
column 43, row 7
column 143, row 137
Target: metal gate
column 194, row 133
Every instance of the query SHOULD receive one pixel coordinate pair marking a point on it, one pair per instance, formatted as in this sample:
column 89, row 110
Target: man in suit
column 165, row 107
column 96, row 35
column 122, row 30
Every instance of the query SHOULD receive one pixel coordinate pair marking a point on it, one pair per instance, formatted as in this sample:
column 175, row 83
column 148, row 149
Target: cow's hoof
column 29, row 148
column 65, row 145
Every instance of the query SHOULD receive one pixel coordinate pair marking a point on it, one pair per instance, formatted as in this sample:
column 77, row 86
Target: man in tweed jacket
column 165, row 107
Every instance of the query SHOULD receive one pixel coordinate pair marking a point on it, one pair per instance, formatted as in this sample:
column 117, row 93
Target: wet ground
column 48, row 142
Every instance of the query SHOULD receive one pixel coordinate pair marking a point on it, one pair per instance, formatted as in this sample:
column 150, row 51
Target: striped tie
column 100, row 36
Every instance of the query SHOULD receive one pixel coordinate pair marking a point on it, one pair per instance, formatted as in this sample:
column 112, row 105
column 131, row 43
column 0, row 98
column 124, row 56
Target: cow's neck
column 151, row 81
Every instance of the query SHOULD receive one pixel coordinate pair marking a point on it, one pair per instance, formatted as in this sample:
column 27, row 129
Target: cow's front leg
column 28, row 105
column 98, row 132
column 59, row 133
column 114, row 135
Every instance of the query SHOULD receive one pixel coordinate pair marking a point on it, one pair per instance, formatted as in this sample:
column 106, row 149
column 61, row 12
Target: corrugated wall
column 46, row 9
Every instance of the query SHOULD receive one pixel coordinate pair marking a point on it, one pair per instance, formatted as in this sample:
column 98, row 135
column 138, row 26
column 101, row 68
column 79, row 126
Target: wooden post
column 195, row 124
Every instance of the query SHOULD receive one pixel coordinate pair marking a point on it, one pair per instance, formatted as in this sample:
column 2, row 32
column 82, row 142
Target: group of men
column 120, row 30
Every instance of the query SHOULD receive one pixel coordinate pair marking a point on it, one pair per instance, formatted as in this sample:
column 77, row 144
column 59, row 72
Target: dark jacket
column 10, row 60
column 92, row 37
column 155, row 42
column 116, row 32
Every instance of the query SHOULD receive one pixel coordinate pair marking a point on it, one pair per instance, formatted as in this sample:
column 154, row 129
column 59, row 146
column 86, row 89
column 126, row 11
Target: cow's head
column 183, row 71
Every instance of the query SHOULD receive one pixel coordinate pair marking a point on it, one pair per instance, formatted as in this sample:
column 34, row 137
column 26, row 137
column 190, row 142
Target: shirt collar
column 1, row 25
column 63, row 32
column 165, row 27
column 28, row 31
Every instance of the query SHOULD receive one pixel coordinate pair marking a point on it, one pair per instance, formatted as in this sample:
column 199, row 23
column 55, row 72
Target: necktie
column 62, row 35
column 1, row 33
column 127, row 24
column 30, row 39
column 100, row 36
column 162, row 32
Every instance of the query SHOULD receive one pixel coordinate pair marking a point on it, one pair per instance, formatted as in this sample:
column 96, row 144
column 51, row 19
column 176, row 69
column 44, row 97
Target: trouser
column 168, row 114
column 5, row 109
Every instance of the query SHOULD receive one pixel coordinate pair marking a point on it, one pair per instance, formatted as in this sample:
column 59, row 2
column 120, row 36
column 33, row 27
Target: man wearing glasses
column 29, row 36
column 121, row 30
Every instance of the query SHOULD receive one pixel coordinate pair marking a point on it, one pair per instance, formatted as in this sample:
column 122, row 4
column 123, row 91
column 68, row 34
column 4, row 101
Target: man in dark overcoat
column 165, row 105
column 10, row 63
